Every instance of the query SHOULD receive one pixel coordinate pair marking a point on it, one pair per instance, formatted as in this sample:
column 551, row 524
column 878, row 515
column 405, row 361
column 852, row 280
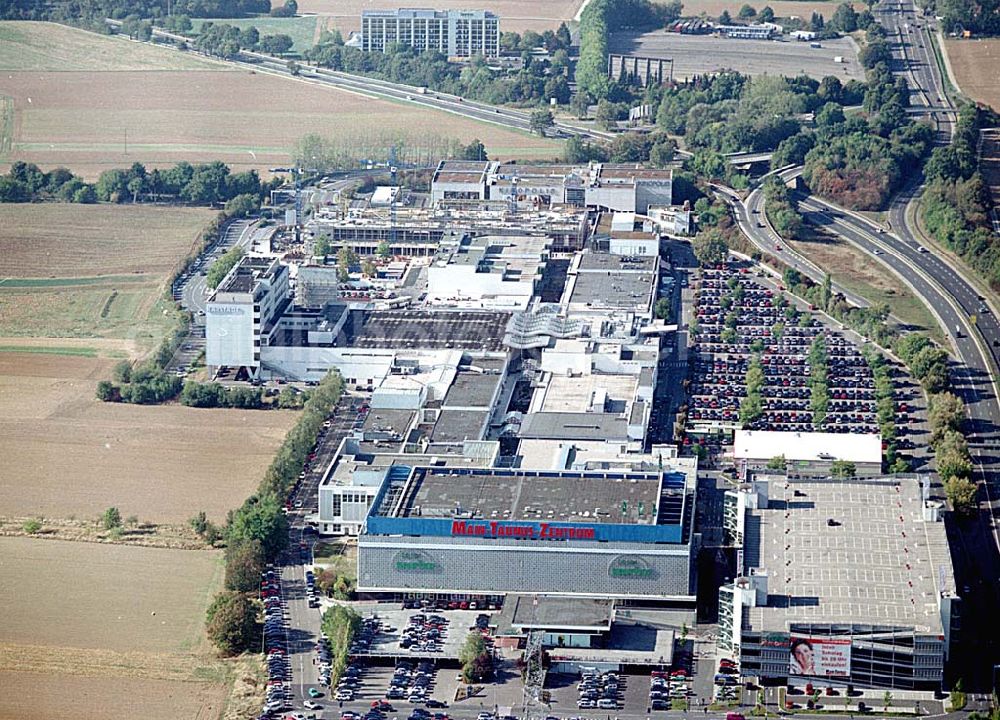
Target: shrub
column 32, row 526
column 232, row 623
column 111, row 519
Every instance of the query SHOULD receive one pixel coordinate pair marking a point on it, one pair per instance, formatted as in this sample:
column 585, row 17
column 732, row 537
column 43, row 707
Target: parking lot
column 738, row 318
column 701, row 54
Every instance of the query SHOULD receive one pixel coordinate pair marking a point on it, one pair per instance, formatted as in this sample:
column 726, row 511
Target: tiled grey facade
column 435, row 564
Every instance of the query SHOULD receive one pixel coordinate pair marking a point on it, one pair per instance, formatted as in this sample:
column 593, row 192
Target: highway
column 753, row 223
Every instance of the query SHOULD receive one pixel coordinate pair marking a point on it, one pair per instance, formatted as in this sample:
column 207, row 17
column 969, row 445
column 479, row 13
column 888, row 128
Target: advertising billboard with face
column 823, row 657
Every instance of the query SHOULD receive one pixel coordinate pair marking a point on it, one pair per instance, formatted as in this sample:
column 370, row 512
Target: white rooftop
column 807, row 446
column 623, row 222
column 384, row 194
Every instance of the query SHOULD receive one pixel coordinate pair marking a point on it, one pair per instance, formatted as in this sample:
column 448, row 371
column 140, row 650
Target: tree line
column 375, row 146
column 203, row 184
column 225, row 41
column 956, row 203
column 94, row 12
column 257, row 532
column 981, row 18
column 601, row 18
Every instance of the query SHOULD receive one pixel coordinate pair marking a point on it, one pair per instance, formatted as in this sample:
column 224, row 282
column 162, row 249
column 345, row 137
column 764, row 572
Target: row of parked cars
column 369, row 630
column 311, row 591
column 668, row 685
column 349, row 684
column 279, row 673
column 424, row 633
column 600, row 690
column 727, row 684
column 413, row 683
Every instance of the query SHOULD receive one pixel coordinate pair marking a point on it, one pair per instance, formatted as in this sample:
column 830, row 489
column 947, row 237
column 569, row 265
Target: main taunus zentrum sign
column 526, row 531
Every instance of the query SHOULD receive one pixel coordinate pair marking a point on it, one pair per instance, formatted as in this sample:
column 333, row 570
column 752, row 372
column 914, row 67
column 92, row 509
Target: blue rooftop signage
column 522, row 530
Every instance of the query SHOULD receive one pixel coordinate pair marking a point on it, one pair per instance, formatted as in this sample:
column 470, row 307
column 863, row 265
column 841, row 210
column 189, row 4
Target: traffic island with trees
column 476, row 659
column 340, row 624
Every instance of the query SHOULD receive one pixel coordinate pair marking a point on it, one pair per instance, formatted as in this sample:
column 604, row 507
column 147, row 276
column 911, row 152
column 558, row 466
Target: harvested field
column 80, row 120
column 125, row 599
column 515, row 15
column 30, row 696
column 91, row 271
column 60, row 240
column 46, row 46
column 163, row 463
column 130, row 644
column 974, row 63
column 782, row 8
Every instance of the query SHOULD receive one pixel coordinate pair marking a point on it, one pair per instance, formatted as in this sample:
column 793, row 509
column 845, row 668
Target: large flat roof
column 612, row 290
column 543, row 612
column 455, row 426
column 471, row 389
column 880, row 563
column 574, row 426
column 547, row 497
column 807, row 446
column 615, row 263
column 576, row 394
column 436, row 330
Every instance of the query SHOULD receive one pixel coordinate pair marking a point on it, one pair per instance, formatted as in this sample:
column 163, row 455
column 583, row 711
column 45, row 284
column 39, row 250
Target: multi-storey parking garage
column 843, row 582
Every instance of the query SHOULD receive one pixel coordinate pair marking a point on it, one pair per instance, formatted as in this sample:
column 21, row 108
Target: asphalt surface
column 191, row 295
column 693, row 55
column 304, row 621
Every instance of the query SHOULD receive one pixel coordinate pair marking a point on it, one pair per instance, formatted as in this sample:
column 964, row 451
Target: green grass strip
column 55, row 350
column 6, row 125
column 68, row 282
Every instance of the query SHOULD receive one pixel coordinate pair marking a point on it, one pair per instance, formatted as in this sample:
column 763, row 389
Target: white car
column 312, row 705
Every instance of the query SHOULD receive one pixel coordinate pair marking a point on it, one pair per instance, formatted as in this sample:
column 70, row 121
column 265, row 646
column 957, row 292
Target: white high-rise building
column 456, row 33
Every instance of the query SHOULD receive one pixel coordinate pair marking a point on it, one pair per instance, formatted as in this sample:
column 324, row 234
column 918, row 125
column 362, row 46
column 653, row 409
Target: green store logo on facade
column 629, row 566
column 415, row 561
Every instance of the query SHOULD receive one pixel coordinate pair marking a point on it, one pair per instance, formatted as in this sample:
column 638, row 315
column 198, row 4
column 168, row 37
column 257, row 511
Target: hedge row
column 340, row 625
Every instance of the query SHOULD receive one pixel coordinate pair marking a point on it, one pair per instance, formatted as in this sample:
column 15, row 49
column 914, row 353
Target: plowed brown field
column 65, row 453
column 129, row 644
column 975, row 64
column 92, row 121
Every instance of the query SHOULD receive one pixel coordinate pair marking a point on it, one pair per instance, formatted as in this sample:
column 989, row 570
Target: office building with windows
column 456, row 33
